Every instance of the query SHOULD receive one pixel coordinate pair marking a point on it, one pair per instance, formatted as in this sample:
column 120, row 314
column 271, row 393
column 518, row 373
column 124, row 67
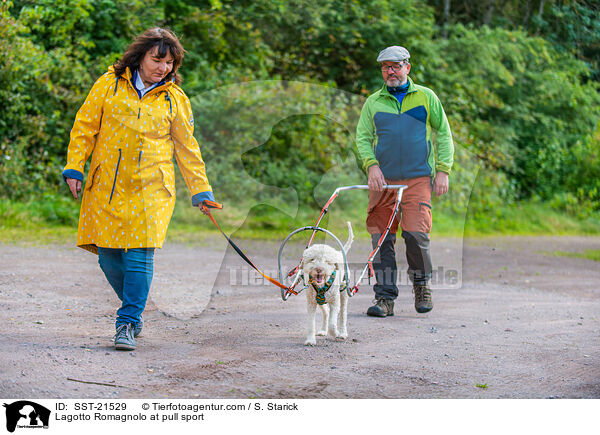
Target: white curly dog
column 323, row 270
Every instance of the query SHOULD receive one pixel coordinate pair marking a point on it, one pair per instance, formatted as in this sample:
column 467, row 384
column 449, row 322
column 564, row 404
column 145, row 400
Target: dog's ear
column 339, row 258
column 305, row 260
column 305, row 275
column 307, row 255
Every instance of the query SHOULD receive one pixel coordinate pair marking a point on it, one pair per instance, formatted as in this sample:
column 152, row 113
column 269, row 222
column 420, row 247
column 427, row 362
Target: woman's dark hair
column 156, row 37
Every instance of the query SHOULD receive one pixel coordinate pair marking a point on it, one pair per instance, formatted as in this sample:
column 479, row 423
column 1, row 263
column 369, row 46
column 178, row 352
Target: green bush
column 260, row 136
column 525, row 104
column 524, row 111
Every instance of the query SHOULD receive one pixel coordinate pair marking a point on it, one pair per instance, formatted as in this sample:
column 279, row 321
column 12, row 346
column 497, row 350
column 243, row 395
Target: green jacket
column 398, row 138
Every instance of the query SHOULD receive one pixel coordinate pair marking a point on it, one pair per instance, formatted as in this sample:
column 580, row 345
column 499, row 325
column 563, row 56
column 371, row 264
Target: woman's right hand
column 74, row 185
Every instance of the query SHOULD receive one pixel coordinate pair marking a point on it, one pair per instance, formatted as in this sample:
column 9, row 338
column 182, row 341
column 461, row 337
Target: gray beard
column 393, row 83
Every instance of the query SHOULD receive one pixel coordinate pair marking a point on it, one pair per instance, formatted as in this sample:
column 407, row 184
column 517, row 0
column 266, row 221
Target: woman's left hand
column 204, row 209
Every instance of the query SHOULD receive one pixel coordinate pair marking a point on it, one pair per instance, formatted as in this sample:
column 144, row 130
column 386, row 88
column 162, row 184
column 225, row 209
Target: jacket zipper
column 115, row 180
column 140, row 155
column 397, row 104
column 170, row 104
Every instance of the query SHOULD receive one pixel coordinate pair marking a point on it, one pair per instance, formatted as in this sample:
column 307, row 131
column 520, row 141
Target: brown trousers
column 415, row 220
column 415, row 207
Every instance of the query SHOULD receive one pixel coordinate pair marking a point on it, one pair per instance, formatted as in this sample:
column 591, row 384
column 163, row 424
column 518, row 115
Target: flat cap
column 395, row 53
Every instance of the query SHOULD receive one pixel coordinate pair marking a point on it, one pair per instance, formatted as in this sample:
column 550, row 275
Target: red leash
column 206, row 206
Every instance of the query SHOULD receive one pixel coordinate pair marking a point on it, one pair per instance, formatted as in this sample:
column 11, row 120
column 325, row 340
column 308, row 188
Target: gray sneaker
column 423, row 302
column 382, row 308
column 137, row 329
column 124, row 337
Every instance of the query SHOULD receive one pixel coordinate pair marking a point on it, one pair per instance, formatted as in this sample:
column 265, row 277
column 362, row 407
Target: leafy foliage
column 572, row 26
column 523, row 101
column 518, row 80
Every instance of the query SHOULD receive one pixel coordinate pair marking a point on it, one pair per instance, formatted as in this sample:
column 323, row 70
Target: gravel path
column 516, row 323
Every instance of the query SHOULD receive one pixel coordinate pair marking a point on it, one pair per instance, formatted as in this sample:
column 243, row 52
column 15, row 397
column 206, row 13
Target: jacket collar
column 128, row 76
column 411, row 88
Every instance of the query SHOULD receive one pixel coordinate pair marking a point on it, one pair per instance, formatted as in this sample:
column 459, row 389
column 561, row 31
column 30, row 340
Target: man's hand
column 74, row 185
column 440, row 183
column 376, row 179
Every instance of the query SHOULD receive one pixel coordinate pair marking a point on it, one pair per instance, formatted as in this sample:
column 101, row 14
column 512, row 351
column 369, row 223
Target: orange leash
column 206, row 206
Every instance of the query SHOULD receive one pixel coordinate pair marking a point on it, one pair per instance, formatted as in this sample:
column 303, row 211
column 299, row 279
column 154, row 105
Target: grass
column 52, row 218
column 524, row 219
column 47, row 219
column 588, row 254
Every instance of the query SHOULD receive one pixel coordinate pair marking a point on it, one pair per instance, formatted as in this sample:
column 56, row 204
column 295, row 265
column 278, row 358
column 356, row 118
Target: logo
column 25, row 414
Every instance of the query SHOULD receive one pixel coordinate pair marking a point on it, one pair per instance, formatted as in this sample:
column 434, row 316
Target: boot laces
column 381, row 302
column 422, row 293
column 123, row 330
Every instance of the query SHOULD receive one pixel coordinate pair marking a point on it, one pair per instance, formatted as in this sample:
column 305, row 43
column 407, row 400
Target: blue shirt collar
column 399, row 89
column 138, row 83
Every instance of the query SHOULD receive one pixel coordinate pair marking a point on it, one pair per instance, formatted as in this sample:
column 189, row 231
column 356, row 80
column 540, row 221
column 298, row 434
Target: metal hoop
column 284, row 293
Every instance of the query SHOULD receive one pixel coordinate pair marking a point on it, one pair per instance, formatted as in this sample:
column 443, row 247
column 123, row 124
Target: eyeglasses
column 395, row 67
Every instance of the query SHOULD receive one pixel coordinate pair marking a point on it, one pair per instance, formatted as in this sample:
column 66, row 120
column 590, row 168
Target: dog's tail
column 350, row 238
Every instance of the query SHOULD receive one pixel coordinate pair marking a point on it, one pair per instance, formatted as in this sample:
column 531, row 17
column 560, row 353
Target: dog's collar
column 322, row 290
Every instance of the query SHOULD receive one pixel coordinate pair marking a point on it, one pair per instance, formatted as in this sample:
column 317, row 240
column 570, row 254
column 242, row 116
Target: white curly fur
column 319, row 261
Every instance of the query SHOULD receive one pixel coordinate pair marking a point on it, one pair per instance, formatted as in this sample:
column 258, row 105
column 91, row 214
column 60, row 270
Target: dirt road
column 520, row 324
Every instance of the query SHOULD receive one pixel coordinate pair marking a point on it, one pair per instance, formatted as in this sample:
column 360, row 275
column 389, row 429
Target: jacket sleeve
column 365, row 137
column 444, row 144
column 86, row 128
column 187, row 150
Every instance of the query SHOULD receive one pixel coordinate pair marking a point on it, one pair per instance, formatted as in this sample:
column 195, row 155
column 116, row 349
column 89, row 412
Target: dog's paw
column 310, row 342
column 341, row 336
column 322, row 333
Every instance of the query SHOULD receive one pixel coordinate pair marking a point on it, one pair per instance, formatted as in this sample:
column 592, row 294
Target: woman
column 132, row 122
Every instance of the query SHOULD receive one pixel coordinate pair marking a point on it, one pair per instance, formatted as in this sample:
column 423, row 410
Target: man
column 393, row 137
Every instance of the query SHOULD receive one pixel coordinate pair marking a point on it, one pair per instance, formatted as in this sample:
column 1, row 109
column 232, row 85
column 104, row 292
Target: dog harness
column 322, row 290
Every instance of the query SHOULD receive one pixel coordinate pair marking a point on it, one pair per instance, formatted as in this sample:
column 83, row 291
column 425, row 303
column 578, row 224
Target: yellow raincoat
column 129, row 195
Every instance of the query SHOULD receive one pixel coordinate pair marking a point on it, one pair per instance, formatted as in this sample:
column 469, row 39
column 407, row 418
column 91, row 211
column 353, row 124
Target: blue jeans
column 130, row 275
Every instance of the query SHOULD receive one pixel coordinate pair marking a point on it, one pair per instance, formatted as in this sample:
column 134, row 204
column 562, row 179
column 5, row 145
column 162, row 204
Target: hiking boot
column 382, row 308
column 124, row 337
column 137, row 329
column 423, row 302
